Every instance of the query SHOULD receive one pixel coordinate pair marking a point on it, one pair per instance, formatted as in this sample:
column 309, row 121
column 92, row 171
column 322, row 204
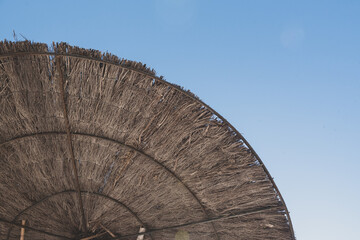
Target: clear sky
column 286, row 74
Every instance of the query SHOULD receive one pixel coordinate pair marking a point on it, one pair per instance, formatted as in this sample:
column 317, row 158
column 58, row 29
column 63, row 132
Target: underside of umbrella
column 97, row 147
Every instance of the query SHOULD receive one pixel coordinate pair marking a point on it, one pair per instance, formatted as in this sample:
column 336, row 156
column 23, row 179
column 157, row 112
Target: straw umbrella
column 97, row 147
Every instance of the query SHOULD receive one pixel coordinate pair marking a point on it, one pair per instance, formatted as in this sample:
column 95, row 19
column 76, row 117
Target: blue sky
column 286, row 74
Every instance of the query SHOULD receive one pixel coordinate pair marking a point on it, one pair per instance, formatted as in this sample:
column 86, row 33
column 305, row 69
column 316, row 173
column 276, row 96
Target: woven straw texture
column 93, row 146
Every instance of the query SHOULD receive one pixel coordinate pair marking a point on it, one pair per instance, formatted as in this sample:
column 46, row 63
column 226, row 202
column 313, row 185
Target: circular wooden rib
column 72, row 192
column 114, row 141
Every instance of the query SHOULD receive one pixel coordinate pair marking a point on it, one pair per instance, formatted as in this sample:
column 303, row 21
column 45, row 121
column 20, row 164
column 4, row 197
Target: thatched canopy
column 95, row 146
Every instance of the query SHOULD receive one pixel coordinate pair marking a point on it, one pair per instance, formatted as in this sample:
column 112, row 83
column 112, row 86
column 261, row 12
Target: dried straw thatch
column 95, row 147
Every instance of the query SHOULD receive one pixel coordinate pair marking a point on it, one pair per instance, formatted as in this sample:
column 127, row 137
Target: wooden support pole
column 22, row 235
column 141, row 237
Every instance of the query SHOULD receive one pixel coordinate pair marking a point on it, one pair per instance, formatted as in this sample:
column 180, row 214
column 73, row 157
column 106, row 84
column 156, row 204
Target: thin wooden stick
column 94, row 236
column 22, row 235
column 108, row 231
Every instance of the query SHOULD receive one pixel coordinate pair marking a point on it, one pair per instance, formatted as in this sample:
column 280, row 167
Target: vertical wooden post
column 141, row 237
column 22, row 235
